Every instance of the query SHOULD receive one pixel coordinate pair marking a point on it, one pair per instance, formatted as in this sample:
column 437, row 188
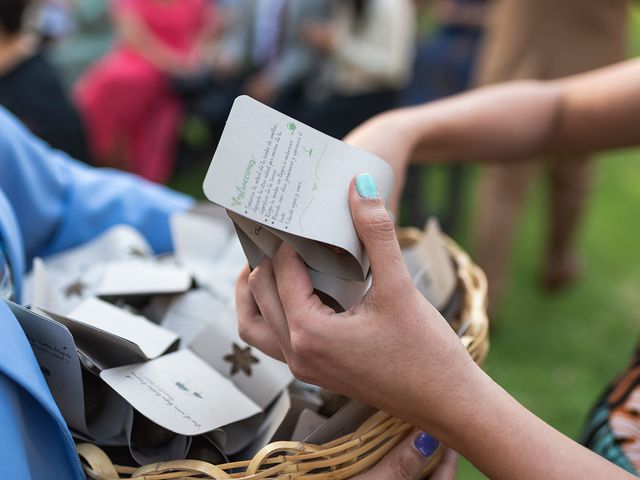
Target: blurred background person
column 542, row 39
column 261, row 54
column 30, row 88
column 283, row 63
column 131, row 112
column 369, row 47
column 448, row 44
column 90, row 38
column 53, row 19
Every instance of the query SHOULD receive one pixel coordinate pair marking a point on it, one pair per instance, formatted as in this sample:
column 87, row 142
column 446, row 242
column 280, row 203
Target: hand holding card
column 281, row 180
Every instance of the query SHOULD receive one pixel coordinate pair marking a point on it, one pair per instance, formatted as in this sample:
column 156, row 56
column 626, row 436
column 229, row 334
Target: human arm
column 384, row 52
column 133, row 33
column 60, row 203
column 511, row 121
column 394, row 350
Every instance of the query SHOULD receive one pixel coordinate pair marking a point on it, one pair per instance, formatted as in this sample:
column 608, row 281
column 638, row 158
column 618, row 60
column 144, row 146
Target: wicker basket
column 343, row 457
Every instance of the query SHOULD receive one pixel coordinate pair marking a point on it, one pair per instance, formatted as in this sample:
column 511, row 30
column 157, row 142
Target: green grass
column 555, row 354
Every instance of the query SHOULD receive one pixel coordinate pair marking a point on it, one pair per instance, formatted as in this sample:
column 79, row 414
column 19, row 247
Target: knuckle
column 403, row 466
column 300, row 370
column 254, row 279
column 244, row 332
column 379, row 225
column 300, row 343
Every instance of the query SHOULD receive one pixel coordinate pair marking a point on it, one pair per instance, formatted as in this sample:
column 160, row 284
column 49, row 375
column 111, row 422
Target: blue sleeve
column 35, row 442
column 60, row 203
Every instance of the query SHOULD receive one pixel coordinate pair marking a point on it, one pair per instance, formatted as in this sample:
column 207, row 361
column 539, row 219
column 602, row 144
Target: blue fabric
column 444, row 64
column 49, row 202
column 6, row 279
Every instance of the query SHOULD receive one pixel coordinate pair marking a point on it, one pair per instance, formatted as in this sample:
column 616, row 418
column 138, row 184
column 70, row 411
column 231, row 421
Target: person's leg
column 501, row 193
column 570, row 185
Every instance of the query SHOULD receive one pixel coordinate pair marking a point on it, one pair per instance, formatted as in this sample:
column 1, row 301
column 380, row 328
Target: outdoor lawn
column 556, row 354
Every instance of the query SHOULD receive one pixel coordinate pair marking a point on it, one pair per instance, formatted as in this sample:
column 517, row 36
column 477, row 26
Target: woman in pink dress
column 131, row 114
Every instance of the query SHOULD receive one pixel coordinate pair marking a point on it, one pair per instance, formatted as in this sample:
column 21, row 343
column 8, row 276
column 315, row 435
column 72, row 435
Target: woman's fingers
column 294, row 283
column 406, row 461
column 252, row 327
column 448, row 467
column 263, row 286
column 377, row 233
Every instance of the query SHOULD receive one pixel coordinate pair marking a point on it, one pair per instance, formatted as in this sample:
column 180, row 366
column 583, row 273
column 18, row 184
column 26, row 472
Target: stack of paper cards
column 281, row 180
column 121, row 378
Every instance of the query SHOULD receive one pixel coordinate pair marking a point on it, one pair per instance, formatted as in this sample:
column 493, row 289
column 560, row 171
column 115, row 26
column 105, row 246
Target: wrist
column 467, row 396
column 403, row 123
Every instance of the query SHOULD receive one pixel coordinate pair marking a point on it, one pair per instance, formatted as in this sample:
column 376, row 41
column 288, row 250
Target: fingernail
column 425, row 444
column 366, row 186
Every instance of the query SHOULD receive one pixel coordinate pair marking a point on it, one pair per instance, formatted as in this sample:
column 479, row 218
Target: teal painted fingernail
column 366, row 186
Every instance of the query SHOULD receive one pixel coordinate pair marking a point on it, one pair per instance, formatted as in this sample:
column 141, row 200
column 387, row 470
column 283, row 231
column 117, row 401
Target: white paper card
column 120, row 242
column 431, row 267
column 199, row 241
column 189, row 314
column 257, row 375
column 181, row 393
column 257, row 242
column 142, row 278
column 152, row 339
column 55, row 352
column 294, row 180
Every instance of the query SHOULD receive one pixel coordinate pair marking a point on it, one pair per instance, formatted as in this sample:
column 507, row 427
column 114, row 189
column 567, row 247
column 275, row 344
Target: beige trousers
column 540, row 39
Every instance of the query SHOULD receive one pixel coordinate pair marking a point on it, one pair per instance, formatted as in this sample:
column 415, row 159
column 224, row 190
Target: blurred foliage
column 556, row 354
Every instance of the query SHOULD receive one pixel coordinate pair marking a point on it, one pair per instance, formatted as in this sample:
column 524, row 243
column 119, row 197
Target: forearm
column 504, row 440
column 593, row 111
column 498, row 123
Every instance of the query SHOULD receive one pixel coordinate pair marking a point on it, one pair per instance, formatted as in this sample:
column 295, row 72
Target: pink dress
column 127, row 104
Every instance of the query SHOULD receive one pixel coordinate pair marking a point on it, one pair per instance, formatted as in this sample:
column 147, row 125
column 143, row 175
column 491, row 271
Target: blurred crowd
column 141, row 84
column 146, row 85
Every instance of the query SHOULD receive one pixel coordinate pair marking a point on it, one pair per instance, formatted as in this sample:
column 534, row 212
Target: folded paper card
column 199, row 241
column 109, row 336
column 100, row 413
column 206, row 247
column 290, row 183
column 431, row 267
column 181, row 393
column 151, row 339
column 130, row 278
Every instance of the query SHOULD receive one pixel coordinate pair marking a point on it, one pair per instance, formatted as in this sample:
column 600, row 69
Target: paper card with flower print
column 236, row 380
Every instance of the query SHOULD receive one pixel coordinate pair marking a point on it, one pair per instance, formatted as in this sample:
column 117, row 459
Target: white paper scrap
column 181, row 393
